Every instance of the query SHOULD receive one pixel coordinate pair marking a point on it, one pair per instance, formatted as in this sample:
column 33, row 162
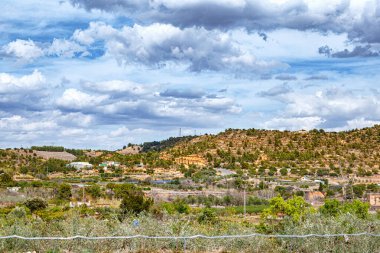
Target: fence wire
column 186, row 237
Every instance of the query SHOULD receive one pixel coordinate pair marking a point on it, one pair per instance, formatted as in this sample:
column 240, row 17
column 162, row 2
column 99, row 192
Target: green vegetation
column 292, row 216
column 48, row 148
column 168, row 143
column 36, row 204
column 64, row 192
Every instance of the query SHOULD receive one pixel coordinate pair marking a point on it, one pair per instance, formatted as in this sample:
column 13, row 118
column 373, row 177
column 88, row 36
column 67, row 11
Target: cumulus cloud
column 25, row 50
column 361, row 123
column 117, row 87
column 65, row 48
column 20, row 123
column 359, row 19
column 294, row 123
column 27, row 83
column 252, row 14
column 336, row 108
column 73, row 99
column 158, row 44
column 117, row 102
column 23, row 93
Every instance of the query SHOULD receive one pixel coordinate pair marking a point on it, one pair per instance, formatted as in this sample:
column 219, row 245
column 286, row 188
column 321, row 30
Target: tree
column 133, row 199
column 331, row 207
column 35, row 204
column 64, row 192
column 122, row 190
column 284, row 171
column 135, row 203
column 207, row 216
column 295, row 208
column 5, row 179
column 94, row 190
column 360, row 209
column 181, row 207
column 359, row 190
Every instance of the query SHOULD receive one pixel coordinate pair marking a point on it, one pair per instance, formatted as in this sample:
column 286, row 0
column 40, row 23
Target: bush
column 330, row 208
column 207, row 216
column 35, row 204
column 64, row 192
column 5, row 179
column 333, row 207
column 295, row 208
column 181, row 207
column 18, row 213
column 94, row 190
column 135, row 203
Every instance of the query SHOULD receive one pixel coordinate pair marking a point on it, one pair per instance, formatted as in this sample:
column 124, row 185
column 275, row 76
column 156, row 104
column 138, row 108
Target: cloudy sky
column 103, row 73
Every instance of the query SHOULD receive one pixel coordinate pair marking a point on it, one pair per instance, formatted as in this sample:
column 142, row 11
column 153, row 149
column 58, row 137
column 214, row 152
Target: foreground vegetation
column 139, row 215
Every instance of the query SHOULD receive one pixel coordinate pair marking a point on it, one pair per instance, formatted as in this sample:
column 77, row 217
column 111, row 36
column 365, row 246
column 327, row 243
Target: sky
column 104, row 73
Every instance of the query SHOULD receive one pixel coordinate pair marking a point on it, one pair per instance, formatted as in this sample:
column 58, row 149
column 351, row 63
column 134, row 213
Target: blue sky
column 103, row 73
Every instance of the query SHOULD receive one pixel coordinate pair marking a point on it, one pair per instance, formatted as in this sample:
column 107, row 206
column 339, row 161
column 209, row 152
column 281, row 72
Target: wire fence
column 184, row 241
column 187, row 237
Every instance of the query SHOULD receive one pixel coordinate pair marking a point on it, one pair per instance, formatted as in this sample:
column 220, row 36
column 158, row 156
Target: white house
column 80, row 165
column 108, row 164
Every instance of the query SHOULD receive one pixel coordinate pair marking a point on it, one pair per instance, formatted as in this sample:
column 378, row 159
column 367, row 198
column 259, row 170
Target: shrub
column 5, row 179
column 284, row 171
column 135, row 203
column 94, row 190
column 64, row 192
column 295, row 208
column 331, row 207
column 358, row 208
column 207, row 216
column 181, row 207
column 35, row 204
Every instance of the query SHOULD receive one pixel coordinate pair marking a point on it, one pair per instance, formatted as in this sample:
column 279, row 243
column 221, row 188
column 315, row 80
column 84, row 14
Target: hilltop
column 303, row 152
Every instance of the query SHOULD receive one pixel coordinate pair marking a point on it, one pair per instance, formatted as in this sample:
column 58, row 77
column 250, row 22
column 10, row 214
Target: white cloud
column 10, row 83
column 115, row 86
column 65, row 48
column 73, row 119
column 296, row 123
column 19, row 123
column 158, row 44
column 25, row 50
column 95, row 31
column 356, row 123
column 331, row 108
column 72, row 132
column 77, row 100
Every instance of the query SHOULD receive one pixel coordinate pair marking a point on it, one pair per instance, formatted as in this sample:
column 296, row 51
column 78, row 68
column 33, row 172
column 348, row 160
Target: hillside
column 258, row 152
column 355, row 151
